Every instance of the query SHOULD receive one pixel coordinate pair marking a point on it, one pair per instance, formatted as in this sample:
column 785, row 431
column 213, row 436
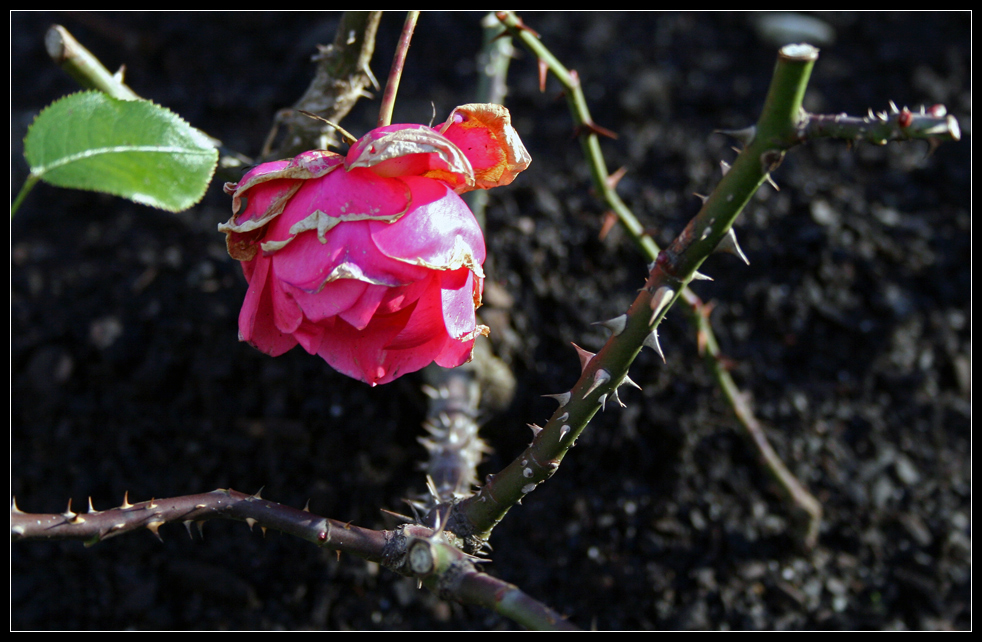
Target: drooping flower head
column 372, row 260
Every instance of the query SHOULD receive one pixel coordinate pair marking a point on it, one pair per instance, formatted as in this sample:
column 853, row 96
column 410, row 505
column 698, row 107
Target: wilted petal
column 412, row 150
column 484, row 133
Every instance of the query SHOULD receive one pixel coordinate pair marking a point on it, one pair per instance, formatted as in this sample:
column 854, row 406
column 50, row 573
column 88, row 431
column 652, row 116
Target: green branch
column 605, row 186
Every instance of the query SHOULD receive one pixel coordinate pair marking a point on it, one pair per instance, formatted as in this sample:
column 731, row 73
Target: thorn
column 610, row 220
column 893, row 108
column 745, row 135
column 770, row 181
column 13, row 506
column 126, row 500
column 615, row 325
column 699, row 276
column 617, row 398
column 543, row 72
column 701, row 197
column 264, row 531
column 258, row 494
column 702, row 338
column 535, row 430
column 660, row 300
column 187, row 527
column 200, row 525
column 600, row 377
column 251, row 522
column 430, row 391
column 68, row 514
column 405, row 518
column 306, row 507
column 585, row 356
column 563, row 431
column 431, row 487
column 594, row 128
column 724, row 166
column 412, row 507
column 603, row 402
column 151, row 505
column 627, row 380
column 521, row 26
column 563, row 398
column 153, row 527
column 616, row 177
column 730, row 245
column 870, row 114
column 882, row 115
column 91, row 509
column 651, row 341
column 563, row 417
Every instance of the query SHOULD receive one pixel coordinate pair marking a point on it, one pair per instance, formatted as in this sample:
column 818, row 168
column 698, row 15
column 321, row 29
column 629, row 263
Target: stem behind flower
column 398, row 61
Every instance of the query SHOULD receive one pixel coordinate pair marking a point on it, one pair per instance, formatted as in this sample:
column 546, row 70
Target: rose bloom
column 372, row 260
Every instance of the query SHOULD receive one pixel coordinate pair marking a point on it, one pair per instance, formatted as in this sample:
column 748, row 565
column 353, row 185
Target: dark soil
column 850, row 330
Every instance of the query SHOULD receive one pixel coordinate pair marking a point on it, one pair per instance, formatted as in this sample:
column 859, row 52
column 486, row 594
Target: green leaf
column 129, row 148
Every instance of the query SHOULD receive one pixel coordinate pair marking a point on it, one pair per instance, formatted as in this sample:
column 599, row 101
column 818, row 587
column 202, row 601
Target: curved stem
column 395, row 74
column 25, row 189
column 604, row 372
column 84, row 67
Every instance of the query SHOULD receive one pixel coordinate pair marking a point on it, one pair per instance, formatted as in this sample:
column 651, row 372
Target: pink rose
column 372, row 260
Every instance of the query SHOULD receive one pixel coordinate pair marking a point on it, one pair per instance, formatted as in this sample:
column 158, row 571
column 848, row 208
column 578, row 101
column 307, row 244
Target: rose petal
column 485, row 135
column 257, row 318
column 333, row 299
column 439, row 232
column 457, row 294
column 411, row 150
column 361, row 354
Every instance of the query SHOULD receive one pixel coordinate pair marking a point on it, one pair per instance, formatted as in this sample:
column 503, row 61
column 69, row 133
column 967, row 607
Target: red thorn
column 616, row 177
column 543, row 71
column 594, row 128
column 519, row 24
column 702, row 337
column 905, row 118
column 610, row 219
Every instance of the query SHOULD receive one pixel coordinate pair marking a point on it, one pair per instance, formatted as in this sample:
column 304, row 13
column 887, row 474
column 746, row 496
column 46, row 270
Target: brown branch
column 342, row 77
column 94, row 526
column 427, row 554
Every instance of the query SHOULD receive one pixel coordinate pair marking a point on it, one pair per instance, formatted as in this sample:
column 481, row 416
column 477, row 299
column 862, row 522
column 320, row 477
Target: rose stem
column 395, row 74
